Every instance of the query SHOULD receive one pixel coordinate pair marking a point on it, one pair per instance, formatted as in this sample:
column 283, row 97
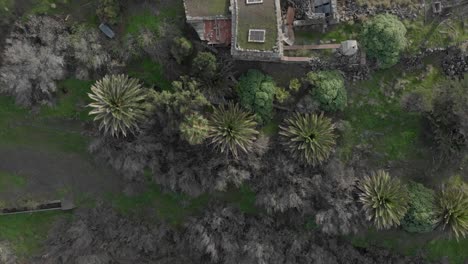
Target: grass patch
column 73, row 96
column 203, row 8
column 49, row 128
column 411, row 244
column 27, row 232
column 338, row 33
column 435, row 34
column 271, row 128
column 146, row 20
column 150, row 72
column 9, row 181
column 257, row 17
column 377, row 118
column 170, row 207
column 174, row 208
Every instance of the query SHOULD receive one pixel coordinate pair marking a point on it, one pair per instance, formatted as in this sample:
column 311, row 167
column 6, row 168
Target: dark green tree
column 328, row 89
column 205, row 66
column 383, row 38
column 384, row 199
column 309, row 137
column 181, row 49
column 256, row 92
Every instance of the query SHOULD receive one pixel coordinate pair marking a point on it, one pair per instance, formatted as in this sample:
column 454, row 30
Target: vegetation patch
column 151, row 73
column 411, row 244
column 8, row 181
column 27, row 232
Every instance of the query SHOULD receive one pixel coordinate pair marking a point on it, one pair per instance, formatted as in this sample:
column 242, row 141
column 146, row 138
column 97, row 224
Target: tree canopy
column 383, row 37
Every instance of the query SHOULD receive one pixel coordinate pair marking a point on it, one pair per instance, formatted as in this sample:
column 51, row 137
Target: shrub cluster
column 328, row 89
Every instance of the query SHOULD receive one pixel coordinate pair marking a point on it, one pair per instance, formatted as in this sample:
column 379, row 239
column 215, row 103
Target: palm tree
column 451, row 209
column 119, row 103
column 194, row 129
column 384, row 199
column 309, row 137
column 232, row 130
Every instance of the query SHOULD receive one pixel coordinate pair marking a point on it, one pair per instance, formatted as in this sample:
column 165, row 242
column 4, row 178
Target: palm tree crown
column 309, row 137
column 119, row 103
column 232, row 130
column 384, row 199
column 451, row 209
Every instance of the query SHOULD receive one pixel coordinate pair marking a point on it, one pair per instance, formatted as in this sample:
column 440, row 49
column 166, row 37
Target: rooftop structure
column 255, row 29
column 248, row 18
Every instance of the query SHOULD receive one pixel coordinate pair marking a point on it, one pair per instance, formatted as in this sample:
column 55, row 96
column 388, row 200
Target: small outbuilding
column 349, row 47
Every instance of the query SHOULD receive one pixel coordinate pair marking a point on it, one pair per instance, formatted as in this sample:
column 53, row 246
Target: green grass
column 339, row 33
column 48, row 129
column 203, row 8
column 170, row 207
column 434, row 34
column 73, row 96
column 271, row 128
column 377, row 118
column 6, row 7
column 257, row 17
column 9, row 181
column 144, row 19
column 150, row 72
column 411, row 244
column 174, row 208
column 27, row 232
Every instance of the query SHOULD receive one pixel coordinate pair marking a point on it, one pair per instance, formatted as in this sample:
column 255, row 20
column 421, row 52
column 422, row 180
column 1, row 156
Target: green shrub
column 383, row 38
column 181, row 49
column 256, row 92
column 282, row 95
column 204, row 65
column 108, row 10
column 329, row 89
column 420, row 216
column 295, row 85
column 194, row 129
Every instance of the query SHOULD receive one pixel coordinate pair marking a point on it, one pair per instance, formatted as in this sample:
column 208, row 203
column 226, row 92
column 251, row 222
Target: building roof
column 218, row 31
column 257, row 16
column 206, row 8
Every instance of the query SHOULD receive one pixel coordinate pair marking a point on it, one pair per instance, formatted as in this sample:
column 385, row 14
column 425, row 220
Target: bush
column 383, row 38
column 329, row 89
column 181, row 49
column 108, row 10
column 295, row 85
column 420, row 216
column 204, row 65
column 282, row 95
column 194, row 129
column 256, row 92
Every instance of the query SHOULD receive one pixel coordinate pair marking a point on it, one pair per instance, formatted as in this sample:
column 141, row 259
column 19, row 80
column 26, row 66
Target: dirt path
column 50, row 175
